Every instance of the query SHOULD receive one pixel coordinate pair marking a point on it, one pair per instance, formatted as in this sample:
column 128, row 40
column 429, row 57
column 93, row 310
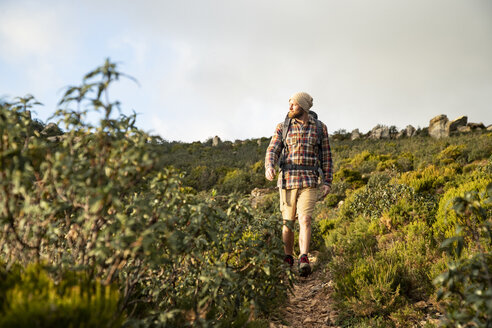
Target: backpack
column 319, row 137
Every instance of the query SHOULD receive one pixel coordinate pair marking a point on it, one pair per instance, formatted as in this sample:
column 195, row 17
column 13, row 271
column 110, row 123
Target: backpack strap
column 283, row 154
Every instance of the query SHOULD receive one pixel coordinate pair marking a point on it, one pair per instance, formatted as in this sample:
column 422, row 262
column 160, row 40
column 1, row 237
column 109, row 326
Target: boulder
column 476, row 126
column 464, row 129
column 355, row 134
column 51, row 130
column 455, row 124
column 489, row 128
column 438, row 127
column 215, row 141
column 410, row 131
column 379, row 132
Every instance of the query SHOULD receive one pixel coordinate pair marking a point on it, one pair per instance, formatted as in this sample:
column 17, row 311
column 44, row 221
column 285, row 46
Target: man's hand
column 270, row 174
column 325, row 191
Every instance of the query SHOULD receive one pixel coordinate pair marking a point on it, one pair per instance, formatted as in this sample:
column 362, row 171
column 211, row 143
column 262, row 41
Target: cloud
column 30, row 30
column 227, row 68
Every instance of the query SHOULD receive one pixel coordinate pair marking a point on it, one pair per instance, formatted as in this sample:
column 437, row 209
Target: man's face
column 295, row 111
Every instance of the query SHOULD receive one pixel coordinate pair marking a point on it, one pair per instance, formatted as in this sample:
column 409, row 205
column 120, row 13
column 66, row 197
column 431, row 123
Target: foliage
column 446, row 217
column 30, row 297
column 382, row 239
column 377, row 196
column 467, row 284
column 100, row 200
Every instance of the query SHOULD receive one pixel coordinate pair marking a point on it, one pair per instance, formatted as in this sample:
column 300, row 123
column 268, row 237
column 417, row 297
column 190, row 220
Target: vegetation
column 94, row 219
column 105, row 225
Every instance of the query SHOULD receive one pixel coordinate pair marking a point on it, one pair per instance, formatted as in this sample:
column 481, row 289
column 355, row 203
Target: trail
column 310, row 305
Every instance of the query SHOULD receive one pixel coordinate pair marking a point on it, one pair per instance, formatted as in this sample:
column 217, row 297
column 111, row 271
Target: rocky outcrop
column 464, row 129
column 459, row 122
column 476, row 126
column 410, row 131
column 355, row 135
column 379, row 132
column 489, row 128
column 438, row 127
column 215, row 141
column 51, row 130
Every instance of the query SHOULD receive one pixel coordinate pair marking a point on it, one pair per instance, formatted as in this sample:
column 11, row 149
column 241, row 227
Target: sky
column 228, row 67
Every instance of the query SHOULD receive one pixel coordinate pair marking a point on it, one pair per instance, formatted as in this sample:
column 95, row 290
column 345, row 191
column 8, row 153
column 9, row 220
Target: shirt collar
column 310, row 120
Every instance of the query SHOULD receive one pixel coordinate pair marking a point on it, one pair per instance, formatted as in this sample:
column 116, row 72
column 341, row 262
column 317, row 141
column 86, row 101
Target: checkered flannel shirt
column 301, row 149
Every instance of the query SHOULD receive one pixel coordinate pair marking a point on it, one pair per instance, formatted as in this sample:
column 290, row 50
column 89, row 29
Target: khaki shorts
column 295, row 202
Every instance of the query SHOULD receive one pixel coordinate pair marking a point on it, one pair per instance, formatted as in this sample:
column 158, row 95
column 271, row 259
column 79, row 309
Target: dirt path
column 310, row 305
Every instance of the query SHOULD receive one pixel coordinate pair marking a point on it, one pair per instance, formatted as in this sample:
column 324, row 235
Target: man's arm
column 273, row 153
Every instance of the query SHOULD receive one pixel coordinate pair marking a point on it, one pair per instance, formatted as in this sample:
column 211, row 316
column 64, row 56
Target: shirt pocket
column 312, row 139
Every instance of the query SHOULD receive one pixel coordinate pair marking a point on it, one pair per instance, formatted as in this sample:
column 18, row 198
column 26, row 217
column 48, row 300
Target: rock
column 379, row 132
column 489, row 128
column 215, row 141
column 410, row 131
column 476, row 126
column 438, row 127
column 464, row 129
column 51, row 130
column 456, row 123
column 355, row 135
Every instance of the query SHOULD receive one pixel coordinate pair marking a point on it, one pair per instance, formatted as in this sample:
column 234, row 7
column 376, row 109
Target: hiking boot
column 304, row 267
column 289, row 260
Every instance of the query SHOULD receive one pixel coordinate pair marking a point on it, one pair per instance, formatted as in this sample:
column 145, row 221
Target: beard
column 295, row 114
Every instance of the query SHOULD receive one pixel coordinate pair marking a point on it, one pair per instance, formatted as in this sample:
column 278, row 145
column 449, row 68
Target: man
column 299, row 159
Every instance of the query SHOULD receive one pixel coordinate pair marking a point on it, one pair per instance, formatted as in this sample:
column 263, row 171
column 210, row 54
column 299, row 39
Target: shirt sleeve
column 327, row 160
column 274, row 148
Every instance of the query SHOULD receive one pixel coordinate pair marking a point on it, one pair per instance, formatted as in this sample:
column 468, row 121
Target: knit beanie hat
column 303, row 99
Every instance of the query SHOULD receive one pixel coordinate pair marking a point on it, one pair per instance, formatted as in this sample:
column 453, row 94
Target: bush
column 466, row 285
column 428, row 179
column 446, row 218
column 375, row 198
column 452, row 154
column 30, row 297
column 101, row 201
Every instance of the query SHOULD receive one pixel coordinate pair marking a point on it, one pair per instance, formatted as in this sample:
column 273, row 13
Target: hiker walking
column 301, row 148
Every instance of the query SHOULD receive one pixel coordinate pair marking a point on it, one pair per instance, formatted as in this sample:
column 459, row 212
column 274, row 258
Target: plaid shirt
column 301, row 149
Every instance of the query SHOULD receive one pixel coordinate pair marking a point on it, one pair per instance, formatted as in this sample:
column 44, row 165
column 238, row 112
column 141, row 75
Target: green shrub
column 374, row 287
column 453, row 153
column 446, row 218
column 351, row 177
column 101, row 201
column 30, row 297
column 375, row 198
column 466, row 285
column 428, row 179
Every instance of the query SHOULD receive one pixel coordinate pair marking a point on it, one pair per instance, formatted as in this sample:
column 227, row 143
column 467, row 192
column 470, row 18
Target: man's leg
column 305, row 207
column 287, row 207
column 288, row 236
column 304, row 233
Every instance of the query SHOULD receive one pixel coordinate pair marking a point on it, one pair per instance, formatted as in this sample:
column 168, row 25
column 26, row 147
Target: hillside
column 105, row 225
column 383, row 224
